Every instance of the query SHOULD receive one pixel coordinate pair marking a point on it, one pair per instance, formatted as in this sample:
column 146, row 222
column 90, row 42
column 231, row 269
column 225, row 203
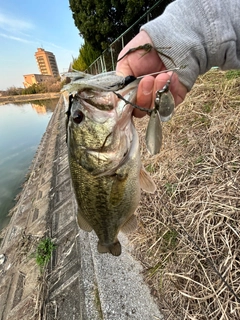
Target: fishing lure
column 164, row 102
column 162, row 112
column 154, row 133
column 147, row 47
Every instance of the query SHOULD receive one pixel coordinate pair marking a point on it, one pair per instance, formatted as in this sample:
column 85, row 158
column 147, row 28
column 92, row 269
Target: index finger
column 139, row 62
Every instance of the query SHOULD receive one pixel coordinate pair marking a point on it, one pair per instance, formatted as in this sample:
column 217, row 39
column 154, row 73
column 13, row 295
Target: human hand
column 138, row 63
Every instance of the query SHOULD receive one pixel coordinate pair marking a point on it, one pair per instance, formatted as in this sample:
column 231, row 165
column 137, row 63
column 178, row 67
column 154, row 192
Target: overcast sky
column 26, row 25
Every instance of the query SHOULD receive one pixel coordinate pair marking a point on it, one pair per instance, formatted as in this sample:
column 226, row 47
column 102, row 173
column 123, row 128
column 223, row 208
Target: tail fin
column 114, row 248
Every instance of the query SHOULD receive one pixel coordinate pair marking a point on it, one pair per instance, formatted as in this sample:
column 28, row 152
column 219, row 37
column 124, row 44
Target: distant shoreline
column 29, row 97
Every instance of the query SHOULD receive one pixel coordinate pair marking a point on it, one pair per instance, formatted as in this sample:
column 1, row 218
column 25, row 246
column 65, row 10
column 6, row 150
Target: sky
column 26, row 25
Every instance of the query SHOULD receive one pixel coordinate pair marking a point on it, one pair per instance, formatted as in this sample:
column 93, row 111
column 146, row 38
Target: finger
column 144, row 95
column 177, row 89
column 139, row 62
column 182, row 91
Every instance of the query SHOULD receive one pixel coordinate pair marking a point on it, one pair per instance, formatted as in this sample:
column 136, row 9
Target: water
column 21, row 129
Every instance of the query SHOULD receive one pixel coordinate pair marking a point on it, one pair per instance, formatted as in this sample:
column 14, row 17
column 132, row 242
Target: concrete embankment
column 29, row 97
column 79, row 283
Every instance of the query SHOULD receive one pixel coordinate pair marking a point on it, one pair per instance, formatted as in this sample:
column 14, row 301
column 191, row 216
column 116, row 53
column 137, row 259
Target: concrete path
column 79, row 283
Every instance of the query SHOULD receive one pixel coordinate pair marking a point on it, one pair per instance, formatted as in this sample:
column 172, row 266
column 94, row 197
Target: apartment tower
column 46, row 61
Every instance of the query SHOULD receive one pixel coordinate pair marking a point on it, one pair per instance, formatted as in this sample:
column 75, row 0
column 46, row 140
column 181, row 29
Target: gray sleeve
column 200, row 33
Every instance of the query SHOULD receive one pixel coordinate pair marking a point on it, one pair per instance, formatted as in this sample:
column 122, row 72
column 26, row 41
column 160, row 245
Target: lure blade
column 166, row 106
column 154, row 133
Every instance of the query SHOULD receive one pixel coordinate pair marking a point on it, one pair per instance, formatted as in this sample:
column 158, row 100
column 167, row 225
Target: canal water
column 21, row 129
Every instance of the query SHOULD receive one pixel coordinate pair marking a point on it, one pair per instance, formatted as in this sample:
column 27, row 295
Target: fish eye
column 78, row 116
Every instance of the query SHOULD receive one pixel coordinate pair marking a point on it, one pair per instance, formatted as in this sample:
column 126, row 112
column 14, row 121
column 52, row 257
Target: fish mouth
column 97, row 105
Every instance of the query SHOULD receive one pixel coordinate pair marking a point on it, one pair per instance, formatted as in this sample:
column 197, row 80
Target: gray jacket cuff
column 200, row 33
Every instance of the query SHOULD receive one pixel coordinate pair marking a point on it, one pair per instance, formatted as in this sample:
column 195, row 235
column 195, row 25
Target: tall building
column 46, row 61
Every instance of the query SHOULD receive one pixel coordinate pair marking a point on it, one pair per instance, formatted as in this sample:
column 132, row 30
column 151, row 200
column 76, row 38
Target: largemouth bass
column 104, row 160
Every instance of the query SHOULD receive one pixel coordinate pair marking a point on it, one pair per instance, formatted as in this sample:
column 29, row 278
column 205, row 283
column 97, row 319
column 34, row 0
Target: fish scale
column 99, row 199
column 105, row 164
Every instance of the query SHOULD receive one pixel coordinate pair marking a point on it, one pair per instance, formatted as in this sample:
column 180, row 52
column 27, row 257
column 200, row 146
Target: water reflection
column 39, row 109
column 21, row 128
column 43, row 107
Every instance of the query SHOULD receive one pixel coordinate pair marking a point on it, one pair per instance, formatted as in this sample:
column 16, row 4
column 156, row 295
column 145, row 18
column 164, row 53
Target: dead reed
column 188, row 238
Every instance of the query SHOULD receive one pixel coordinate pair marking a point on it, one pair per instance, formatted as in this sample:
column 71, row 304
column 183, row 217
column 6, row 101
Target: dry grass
column 189, row 230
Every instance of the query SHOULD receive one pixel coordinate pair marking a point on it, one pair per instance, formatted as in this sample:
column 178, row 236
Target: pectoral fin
column 146, row 181
column 130, row 225
column 83, row 224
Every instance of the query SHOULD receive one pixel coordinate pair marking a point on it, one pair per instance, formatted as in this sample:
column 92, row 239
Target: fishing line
column 132, row 104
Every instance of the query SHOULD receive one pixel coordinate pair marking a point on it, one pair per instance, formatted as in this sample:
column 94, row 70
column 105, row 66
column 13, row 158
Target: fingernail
column 147, row 88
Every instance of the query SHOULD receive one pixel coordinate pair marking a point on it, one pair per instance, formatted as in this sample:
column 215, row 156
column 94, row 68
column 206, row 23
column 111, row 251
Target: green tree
column 101, row 22
column 87, row 55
